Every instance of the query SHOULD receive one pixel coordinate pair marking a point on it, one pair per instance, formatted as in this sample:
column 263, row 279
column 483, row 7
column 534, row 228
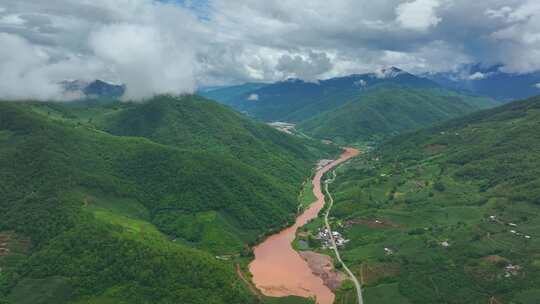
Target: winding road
column 336, row 251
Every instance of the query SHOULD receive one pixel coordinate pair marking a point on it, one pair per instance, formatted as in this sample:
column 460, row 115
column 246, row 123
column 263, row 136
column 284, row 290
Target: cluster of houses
column 493, row 218
column 323, row 163
column 444, row 133
column 4, row 250
column 511, row 270
column 283, row 127
column 326, row 238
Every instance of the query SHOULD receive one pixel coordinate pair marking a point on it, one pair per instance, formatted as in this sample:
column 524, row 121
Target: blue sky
column 200, row 7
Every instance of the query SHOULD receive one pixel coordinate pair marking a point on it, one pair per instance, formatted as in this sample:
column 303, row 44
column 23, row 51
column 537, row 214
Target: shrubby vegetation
column 456, row 205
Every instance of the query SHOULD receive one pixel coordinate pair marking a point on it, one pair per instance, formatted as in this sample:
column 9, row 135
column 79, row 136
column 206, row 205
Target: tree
column 439, row 186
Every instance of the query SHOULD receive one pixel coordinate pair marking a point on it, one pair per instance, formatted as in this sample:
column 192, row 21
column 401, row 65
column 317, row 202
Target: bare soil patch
column 5, row 239
column 11, row 242
column 495, row 259
column 322, row 266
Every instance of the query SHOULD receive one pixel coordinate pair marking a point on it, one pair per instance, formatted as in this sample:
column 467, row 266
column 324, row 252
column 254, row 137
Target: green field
column 306, row 196
column 384, row 294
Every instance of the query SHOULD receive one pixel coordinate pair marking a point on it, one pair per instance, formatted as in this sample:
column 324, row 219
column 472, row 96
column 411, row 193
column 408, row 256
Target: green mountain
column 388, row 110
column 448, row 214
column 196, row 123
column 89, row 216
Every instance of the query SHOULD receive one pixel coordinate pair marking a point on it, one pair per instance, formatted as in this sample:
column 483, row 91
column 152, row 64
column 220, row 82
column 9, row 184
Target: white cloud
column 528, row 9
column 157, row 47
column 537, row 85
column 253, row 97
column 502, row 12
column 12, row 19
column 148, row 60
column 385, row 73
column 307, row 67
column 22, row 70
column 360, row 83
column 477, row 76
column 418, row 15
column 137, row 42
column 518, row 40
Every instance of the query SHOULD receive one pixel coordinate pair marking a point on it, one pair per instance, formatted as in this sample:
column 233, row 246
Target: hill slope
column 388, row 110
column 192, row 122
column 456, row 207
column 93, row 214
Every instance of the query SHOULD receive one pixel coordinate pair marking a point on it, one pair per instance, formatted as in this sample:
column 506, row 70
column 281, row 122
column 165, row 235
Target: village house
column 326, row 237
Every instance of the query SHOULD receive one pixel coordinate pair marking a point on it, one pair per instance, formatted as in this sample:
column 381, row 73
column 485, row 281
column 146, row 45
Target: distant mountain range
column 295, row 100
column 92, row 89
column 490, row 81
column 353, row 108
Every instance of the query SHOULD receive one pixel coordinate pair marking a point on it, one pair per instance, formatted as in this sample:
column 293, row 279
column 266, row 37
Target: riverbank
column 278, row 270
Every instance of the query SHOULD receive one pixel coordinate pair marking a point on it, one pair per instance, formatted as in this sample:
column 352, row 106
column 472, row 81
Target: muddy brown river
column 278, row 270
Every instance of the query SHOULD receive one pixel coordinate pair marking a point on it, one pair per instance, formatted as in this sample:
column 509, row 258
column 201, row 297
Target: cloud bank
column 173, row 47
column 418, row 15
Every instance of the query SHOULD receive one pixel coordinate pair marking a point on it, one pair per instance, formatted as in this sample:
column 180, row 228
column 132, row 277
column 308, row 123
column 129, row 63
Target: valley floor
column 277, row 269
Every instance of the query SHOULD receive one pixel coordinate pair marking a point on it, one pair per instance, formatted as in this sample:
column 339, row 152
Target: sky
column 176, row 46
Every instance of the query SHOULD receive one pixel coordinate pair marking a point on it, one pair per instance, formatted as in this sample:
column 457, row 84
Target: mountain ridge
column 385, row 110
column 490, row 81
column 295, row 100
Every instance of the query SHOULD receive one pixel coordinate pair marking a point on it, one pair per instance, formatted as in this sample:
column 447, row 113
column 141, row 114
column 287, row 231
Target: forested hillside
column 102, row 218
column 387, row 110
column 196, row 123
column 449, row 214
